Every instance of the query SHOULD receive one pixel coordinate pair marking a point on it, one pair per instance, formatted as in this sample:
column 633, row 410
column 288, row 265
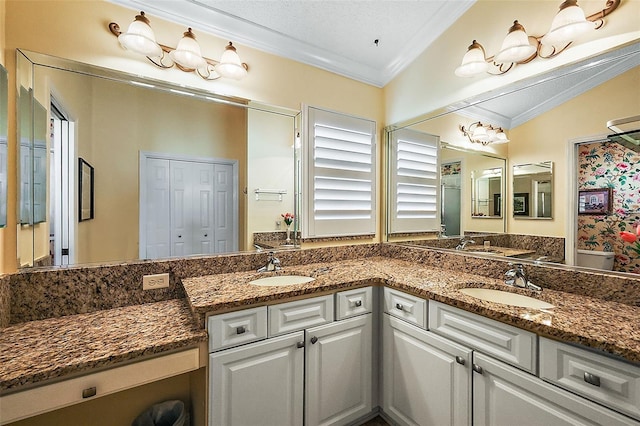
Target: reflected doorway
column 62, row 211
column 450, row 181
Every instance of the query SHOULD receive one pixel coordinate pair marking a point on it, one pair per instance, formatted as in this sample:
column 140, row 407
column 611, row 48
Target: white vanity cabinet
column 426, row 379
column 300, row 373
column 504, row 395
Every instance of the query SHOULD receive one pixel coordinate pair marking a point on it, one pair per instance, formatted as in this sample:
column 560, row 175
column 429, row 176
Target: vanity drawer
column 237, row 328
column 505, row 342
column 300, row 314
column 405, row 306
column 353, row 302
column 598, row 377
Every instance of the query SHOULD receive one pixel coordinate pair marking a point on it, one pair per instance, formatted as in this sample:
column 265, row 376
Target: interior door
column 226, row 239
column 154, row 207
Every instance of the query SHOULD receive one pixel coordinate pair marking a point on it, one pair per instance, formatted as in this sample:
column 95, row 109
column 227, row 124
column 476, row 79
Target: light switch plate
column 151, row 282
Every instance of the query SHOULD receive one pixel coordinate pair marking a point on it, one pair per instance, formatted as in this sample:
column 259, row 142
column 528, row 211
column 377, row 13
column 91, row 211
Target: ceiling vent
column 626, row 132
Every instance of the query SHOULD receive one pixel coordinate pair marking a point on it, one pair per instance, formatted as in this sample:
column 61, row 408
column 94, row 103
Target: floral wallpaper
column 611, row 165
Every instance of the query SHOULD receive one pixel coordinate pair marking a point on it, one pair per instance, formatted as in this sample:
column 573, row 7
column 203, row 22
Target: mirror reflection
column 486, row 196
column 533, row 190
column 172, row 171
column 4, row 107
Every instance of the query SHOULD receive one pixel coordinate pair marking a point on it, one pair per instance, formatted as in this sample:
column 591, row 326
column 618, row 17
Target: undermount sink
column 506, row 298
column 279, row 280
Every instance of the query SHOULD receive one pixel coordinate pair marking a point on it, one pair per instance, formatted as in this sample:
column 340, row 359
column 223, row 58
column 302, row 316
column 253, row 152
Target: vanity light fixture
column 484, row 133
column 519, row 48
column 186, row 56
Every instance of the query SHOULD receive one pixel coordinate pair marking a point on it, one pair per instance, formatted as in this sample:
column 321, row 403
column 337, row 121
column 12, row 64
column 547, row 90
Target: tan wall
column 429, row 82
column 546, row 138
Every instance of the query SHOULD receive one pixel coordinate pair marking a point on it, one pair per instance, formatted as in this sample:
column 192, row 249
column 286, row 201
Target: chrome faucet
column 273, row 264
column 463, row 243
column 516, row 277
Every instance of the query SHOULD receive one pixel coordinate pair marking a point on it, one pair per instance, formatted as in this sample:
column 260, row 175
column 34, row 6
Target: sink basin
column 506, row 298
column 279, row 280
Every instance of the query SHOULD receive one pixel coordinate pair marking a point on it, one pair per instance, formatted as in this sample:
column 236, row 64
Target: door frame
column 142, row 190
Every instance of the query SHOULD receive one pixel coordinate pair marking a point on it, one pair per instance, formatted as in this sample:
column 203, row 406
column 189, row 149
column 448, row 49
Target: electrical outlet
column 150, row 282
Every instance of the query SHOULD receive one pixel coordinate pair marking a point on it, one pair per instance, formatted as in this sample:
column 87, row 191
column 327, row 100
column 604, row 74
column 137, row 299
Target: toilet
column 596, row 259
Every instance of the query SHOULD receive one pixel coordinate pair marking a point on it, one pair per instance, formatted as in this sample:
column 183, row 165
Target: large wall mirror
column 523, row 183
column 174, row 171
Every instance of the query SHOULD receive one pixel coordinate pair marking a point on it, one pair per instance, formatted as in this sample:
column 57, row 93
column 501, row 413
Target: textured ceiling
column 335, row 35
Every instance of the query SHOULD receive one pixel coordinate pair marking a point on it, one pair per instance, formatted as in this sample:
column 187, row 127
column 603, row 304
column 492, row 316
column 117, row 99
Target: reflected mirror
column 533, row 190
column 540, row 116
column 174, row 171
column 486, row 194
column 4, row 107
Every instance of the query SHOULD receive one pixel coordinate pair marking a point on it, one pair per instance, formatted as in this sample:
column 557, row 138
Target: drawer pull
column 300, row 345
column 241, row 330
column 314, row 339
column 358, row 303
column 399, row 306
column 89, row 392
column 592, row 379
column 460, row 360
column 477, row 369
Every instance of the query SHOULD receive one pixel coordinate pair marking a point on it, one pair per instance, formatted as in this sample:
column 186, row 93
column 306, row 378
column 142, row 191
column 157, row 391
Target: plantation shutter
column 414, row 183
column 340, row 182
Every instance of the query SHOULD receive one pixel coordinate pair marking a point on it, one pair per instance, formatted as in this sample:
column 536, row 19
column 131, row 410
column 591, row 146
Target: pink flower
column 629, row 237
column 636, row 177
column 600, row 171
column 288, row 218
column 622, row 166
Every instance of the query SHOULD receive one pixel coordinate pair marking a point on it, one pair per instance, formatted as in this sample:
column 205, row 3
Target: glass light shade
column 516, row 46
column 230, row 65
column 567, row 25
column 474, row 62
column 501, row 137
column 187, row 54
column 479, row 134
column 139, row 38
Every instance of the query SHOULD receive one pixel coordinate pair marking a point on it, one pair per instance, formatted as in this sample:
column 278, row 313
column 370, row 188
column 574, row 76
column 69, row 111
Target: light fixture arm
column 207, row 72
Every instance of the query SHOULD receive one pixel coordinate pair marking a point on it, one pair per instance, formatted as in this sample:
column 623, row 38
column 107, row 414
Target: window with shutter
column 340, row 178
column 414, row 182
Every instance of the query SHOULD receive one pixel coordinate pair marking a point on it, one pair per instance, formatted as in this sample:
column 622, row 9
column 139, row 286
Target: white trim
column 571, row 219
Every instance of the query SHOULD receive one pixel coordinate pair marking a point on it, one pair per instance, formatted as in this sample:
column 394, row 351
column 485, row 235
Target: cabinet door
column 339, row 371
column 258, row 384
column 426, row 379
column 504, row 395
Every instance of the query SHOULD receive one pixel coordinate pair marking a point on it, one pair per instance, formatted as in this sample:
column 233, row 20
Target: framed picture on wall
column 85, row 190
column 594, row 201
column 521, row 204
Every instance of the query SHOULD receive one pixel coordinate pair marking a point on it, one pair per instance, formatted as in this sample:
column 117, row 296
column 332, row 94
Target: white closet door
column 202, row 208
column 181, row 208
column 156, row 202
column 225, row 229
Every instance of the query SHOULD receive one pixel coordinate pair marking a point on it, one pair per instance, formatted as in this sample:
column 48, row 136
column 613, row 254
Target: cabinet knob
column 592, row 379
column 89, row 392
column 300, row 345
column 460, row 360
column 399, row 306
column 206, row 235
column 179, row 236
column 358, row 303
column 314, row 339
column 477, row 369
column 241, row 330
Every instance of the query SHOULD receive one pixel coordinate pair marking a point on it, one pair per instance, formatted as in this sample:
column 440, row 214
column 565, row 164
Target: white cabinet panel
column 426, row 378
column 505, row 342
column 258, row 384
column 339, row 372
column 600, row 378
column 503, row 395
column 406, row 306
column 354, row 302
column 236, row 328
column 300, row 314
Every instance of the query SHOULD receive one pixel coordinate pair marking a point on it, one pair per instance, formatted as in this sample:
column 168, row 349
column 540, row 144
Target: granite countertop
column 36, row 351
column 502, row 251
column 609, row 326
